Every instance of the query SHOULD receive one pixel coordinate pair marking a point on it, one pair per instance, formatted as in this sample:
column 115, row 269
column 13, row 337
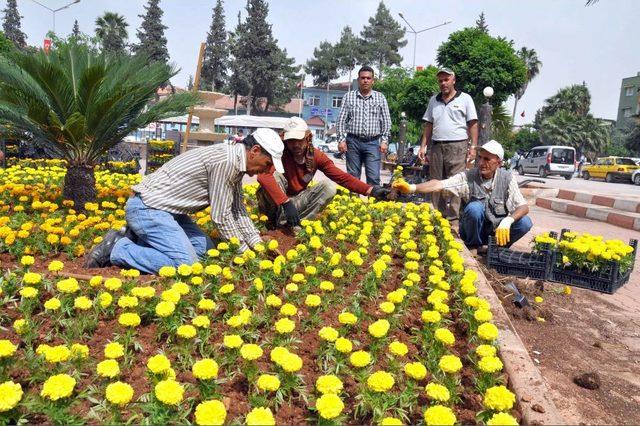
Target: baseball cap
column 295, row 128
column 446, row 71
column 271, row 142
column 493, row 147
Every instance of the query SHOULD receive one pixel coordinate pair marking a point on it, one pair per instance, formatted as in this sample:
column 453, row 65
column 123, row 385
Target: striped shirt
column 200, row 178
column 366, row 117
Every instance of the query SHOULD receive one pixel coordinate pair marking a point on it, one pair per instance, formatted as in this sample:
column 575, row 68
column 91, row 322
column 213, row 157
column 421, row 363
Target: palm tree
column 533, row 64
column 80, row 103
column 111, row 29
column 585, row 133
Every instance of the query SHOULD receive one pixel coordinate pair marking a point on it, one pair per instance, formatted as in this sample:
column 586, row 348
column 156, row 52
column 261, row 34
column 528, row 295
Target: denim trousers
column 361, row 152
column 475, row 228
column 163, row 239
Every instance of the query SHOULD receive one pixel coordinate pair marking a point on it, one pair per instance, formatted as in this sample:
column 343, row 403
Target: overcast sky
column 596, row 44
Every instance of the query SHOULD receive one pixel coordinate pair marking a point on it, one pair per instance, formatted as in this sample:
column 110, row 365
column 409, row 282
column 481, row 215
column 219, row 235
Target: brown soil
column 582, row 336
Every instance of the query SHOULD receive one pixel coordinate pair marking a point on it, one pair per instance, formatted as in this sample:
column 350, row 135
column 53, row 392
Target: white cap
column 295, row 128
column 493, row 147
column 271, row 142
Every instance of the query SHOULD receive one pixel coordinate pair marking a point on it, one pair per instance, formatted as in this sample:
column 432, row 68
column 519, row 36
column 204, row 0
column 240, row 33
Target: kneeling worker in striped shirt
column 159, row 230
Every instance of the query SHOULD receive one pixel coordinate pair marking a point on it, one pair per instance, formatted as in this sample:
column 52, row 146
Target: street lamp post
column 53, row 11
column 415, row 35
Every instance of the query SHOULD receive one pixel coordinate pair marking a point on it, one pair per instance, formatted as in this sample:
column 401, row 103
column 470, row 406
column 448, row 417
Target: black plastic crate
column 506, row 261
column 606, row 280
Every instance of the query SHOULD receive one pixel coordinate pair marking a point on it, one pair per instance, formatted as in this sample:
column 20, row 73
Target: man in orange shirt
column 286, row 198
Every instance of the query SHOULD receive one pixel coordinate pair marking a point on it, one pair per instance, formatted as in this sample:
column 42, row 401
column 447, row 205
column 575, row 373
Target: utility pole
column 415, row 35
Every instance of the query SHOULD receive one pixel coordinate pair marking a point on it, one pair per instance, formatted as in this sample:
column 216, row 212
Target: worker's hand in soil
column 503, row 232
column 291, row 213
column 404, row 187
column 379, row 193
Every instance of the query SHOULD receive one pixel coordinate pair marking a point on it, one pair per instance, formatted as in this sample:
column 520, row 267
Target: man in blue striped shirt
column 363, row 128
column 161, row 233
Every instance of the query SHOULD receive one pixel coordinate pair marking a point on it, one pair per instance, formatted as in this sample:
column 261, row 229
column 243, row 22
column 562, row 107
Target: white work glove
column 503, row 232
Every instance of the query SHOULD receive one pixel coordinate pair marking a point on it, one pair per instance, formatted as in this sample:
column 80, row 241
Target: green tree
column 80, row 104
column 284, row 86
column 585, row 133
column 480, row 60
column 575, row 98
column 382, row 38
column 348, row 51
column 190, row 82
column 238, row 80
column 153, row 43
column 6, row 45
column 533, row 64
column 75, row 31
column 216, row 55
column 259, row 65
column 481, row 24
column 324, row 64
column 111, row 30
column 11, row 24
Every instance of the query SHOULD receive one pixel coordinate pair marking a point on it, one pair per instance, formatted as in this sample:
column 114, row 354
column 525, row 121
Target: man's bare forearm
column 433, row 185
column 473, row 132
column 426, row 134
column 520, row 212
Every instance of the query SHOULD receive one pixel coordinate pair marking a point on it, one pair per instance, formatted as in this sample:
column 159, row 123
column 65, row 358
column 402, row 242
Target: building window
column 628, row 91
column 336, row 102
column 314, row 100
column 626, row 112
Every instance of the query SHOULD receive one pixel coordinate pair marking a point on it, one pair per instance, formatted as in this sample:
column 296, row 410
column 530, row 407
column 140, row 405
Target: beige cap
column 295, row 128
column 493, row 147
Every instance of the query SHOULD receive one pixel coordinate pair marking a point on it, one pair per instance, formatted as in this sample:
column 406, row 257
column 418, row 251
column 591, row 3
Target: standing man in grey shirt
column 363, row 128
column 451, row 130
column 160, row 231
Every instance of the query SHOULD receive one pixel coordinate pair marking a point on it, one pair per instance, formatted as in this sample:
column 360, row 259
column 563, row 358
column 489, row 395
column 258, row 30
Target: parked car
column 635, row 177
column 549, row 160
column 611, row 169
column 328, row 145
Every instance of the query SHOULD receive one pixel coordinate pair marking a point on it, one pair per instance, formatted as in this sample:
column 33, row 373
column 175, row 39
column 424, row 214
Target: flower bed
column 367, row 317
column 159, row 152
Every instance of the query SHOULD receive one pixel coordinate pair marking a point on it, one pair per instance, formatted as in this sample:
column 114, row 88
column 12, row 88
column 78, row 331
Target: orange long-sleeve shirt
column 294, row 174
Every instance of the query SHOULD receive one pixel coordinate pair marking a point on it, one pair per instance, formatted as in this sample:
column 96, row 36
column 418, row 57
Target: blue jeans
column 368, row 152
column 164, row 239
column 475, row 228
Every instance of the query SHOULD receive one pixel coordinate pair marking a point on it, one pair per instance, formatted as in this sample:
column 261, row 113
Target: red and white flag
column 522, row 114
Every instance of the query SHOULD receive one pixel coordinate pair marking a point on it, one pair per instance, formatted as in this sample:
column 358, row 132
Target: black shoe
column 99, row 256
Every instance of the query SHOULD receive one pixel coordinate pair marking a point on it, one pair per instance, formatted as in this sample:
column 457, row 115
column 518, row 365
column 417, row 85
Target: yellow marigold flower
column 260, row 416
column 186, row 331
column 10, row 395
column 313, row 300
column 437, row 392
column 201, row 321
column 185, row 270
column 226, row 289
column 113, row 350
column 439, row 415
column 206, row 305
column 450, row 364
column 329, row 406
column 58, row 387
column 27, row 260
column 445, row 336
column 390, row 421
column 360, row 359
column 165, row 308
column 169, row 392
column 499, row 398
column 258, row 284
column 55, row 266
column 415, row 370
column 79, row 351
column 32, row 278
column 379, row 328
column 347, row 318
column 82, row 303
column 105, row 300
column 326, row 286
column 28, row 292
column 337, row 273
column 343, row 345
column 288, row 310
column 210, row 413
column 68, row 285
column 329, row 334
column 380, row 381
column 119, row 393
column 20, row 325
column 127, row 302
column 398, row 348
column 292, row 287
column 108, row 368
column 539, row 299
column 490, row 364
column 272, row 245
column 284, row 325
column 268, row 382
column 329, row 384
column 171, row 295
column 232, row 341
column 213, row 270
column 387, row 307
column 488, row 331
column 431, row 317
column 7, row 348
column 143, row 293
column 291, row 362
column 158, row 364
column 250, row 351
column 113, row 284
column 502, row 419
column 213, row 253
column 129, row 319
column 482, row 315
column 205, row 369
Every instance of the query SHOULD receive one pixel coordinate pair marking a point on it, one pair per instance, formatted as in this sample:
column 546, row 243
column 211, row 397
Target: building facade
column 321, row 107
column 629, row 103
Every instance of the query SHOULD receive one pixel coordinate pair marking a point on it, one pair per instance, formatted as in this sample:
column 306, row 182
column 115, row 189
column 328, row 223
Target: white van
column 549, row 160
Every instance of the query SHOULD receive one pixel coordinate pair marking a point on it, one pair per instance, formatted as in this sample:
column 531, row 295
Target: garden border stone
column 524, row 377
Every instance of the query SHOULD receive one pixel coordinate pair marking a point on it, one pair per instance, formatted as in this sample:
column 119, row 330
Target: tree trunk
column 515, row 105
column 80, row 186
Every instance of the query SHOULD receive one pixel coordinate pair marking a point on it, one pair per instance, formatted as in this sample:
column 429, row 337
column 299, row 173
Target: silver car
column 549, row 160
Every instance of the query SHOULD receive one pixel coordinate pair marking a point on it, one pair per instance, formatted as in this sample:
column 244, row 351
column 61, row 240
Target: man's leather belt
column 363, row 138
column 459, row 140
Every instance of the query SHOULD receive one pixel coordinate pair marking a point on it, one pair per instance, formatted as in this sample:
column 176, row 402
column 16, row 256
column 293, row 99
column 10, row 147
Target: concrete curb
column 532, row 194
column 524, row 377
column 602, row 214
column 616, row 203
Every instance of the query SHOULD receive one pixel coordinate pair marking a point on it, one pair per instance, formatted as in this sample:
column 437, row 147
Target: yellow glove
column 404, row 187
column 503, row 232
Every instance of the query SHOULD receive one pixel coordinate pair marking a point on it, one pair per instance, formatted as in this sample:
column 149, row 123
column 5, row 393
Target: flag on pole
column 300, row 84
column 522, row 114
